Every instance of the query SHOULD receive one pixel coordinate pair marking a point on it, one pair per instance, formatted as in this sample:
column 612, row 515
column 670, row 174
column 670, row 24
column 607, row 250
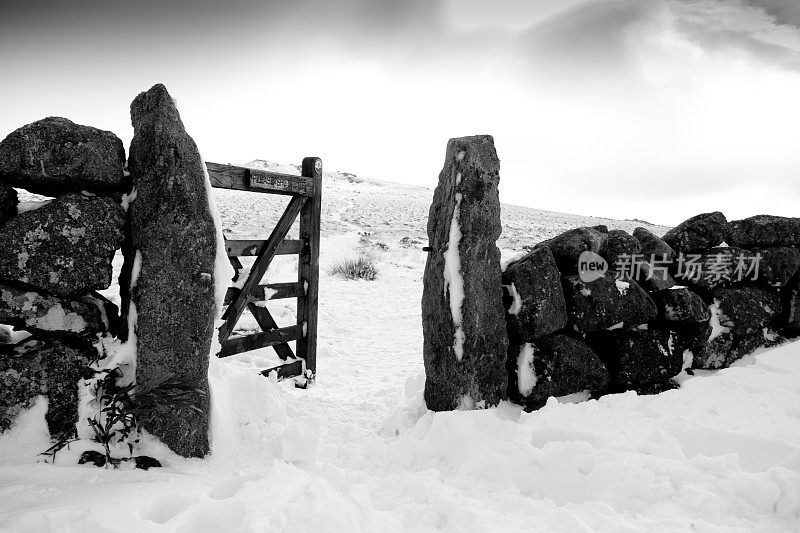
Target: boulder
column 718, row 267
column 698, row 233
column 619, row 245
column 652, row 276
column 5, row 334
column 463, row 320
column 65, row 247
column 764, row 230
column 51, row 368
column 54, row 156
column 568, row 246
column 50, row 315
column 606, row 302
column 690, row 336
column 739, row 317
column 791, row 306
column 776, row 265
column 8, row 203
column 555, row 365
column 653, row 245
column 172, row 231
column 681, row 306
column 747, row 309
column 637, row 358
column 537, row 300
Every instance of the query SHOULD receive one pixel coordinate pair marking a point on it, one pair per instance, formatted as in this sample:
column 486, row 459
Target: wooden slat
column 289, row 370
column 245, row 343
column 282, row 291
column 250, row 247
column 267, row 323
column 248, row 179
column 308, row 265
column 262, row 316
column 259, row 267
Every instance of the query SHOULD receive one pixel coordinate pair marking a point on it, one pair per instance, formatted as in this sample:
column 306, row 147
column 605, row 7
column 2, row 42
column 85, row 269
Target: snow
column 516, row 305
column 717, row 319
column 358, row 450
column 453, row 279
column 526, row 375
column 24, row 207
column 622, row 287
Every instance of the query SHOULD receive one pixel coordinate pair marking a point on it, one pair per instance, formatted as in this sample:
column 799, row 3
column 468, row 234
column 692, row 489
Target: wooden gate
column 306, row 193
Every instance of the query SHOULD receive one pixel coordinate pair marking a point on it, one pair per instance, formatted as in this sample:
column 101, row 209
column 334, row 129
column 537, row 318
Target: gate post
column 308, row 266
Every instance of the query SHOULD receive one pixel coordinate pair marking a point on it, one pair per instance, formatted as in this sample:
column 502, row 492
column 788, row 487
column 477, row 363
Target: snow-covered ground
column 358, row 451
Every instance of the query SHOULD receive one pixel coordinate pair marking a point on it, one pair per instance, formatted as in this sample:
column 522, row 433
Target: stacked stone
column 54, row 255
column 661, row 302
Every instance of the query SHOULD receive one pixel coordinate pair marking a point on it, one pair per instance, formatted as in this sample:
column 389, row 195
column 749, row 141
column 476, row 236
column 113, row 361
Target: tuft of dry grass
column 361, row 267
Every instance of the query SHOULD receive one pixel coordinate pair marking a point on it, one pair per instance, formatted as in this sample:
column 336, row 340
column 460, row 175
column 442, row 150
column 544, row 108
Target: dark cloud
column 784, row 11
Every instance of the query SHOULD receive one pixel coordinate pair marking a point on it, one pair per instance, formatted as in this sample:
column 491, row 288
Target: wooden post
column 308, row 267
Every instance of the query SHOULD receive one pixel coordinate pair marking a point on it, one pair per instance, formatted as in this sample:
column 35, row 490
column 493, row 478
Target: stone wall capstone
column 54, row 156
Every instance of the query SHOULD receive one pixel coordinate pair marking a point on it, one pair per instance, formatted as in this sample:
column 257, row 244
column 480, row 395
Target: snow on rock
column 717, row 318
column 622, row 287
column 453, row 278
column 516, row 303
column 526, row 375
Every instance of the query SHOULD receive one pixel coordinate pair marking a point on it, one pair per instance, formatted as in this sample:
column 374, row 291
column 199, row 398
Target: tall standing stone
column 463, row 320
column 172, row 228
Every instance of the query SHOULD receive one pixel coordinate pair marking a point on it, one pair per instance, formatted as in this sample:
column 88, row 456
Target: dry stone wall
column 56, row 255
column 703, row 296
column 606, row 311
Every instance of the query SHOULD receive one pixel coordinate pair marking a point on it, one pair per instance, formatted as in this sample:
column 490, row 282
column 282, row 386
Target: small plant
column 116, row 421
column 362, row 267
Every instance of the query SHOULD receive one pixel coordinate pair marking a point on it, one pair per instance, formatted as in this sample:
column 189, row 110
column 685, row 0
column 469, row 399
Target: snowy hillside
column 358, row 451
column 390, row 211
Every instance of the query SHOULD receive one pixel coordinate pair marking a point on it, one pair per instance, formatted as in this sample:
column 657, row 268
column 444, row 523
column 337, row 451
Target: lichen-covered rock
column 537, row 305
column 619, row 245
column 172, row 232
column 50, row 315
column 680, row 306
column 65, row 247
column 740, row 317
column 698, row 233
column 747, row 309
column 54, row 156
column 51, row 368
column 606, row 302
column 764, row 230
column 463, row 320
column 653, row 245
column 637, row 358
column 555, row 365
column 8, row 203
column 776, row 265
column 568, row 246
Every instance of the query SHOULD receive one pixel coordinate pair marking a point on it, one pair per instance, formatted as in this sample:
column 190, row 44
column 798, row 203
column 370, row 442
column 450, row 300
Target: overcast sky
column 651, row 109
